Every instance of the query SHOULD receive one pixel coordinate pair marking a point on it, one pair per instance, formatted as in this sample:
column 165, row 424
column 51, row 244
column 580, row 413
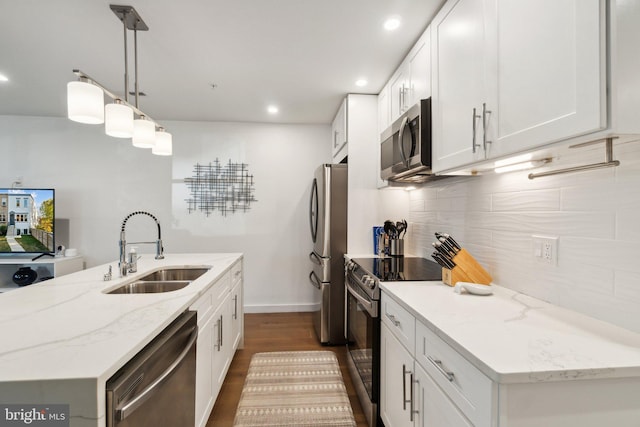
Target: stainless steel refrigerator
column 328, row 221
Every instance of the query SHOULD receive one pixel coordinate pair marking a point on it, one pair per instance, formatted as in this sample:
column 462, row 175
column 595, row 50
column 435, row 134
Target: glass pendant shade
column 85, row 103
column 144, row 133
column 118, row 120
column 164, row 144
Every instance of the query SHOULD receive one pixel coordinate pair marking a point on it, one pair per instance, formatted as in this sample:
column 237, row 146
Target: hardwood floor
column 274, row 332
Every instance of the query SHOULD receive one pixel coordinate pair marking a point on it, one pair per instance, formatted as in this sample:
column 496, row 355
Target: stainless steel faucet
column 125, row 266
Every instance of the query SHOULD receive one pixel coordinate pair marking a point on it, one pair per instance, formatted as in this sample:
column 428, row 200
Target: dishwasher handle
column 129, row 408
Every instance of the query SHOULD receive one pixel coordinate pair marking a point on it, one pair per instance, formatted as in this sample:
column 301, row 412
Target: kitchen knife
column 442, row 250
column 443, row 261
column 448, row 246
column 438, row 259
column 452, row 241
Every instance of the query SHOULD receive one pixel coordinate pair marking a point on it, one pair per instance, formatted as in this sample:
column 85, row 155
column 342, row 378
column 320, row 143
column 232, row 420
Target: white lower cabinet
column 433, row 408
column 424, row 382
column 396, row 374
column 204, row 372
column 237, row 326
column 409, row 396
column 469, row 391
column 220, row 314
column 222, row 350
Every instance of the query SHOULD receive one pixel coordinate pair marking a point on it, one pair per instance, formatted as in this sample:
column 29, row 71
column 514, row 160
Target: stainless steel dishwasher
column 157, row 386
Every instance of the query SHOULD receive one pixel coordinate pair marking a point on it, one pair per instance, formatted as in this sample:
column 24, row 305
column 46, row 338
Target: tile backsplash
column 594, row 214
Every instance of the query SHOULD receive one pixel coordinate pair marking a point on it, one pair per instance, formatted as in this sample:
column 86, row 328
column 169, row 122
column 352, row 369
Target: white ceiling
column 302, row 55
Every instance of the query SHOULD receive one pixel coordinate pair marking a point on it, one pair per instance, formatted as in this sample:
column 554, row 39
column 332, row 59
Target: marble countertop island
column 65, row 337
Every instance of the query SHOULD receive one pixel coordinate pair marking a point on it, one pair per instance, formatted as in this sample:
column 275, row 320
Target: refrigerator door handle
column 315, row 258
column 314, row 280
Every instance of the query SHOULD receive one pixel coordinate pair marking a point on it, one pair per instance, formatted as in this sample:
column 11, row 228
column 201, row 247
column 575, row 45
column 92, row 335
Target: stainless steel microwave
column 405, row 151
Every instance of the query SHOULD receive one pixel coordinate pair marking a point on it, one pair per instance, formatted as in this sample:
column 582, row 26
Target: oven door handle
column 370, row 306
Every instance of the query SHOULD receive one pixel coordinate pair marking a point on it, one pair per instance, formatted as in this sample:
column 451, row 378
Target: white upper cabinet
column 534, row 72
column 420, row 69
column 547, row 78
column 339, row 133
column 459, row 83
column 411, row 82
column 399, row 91
column 384, row 108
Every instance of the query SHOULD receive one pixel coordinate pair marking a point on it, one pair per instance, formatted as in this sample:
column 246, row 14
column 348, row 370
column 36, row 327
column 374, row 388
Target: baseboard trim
column 281, row 308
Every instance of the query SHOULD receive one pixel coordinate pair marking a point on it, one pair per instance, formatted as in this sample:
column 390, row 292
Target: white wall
column 367, row 205
column 594, row 214
column 99, row 180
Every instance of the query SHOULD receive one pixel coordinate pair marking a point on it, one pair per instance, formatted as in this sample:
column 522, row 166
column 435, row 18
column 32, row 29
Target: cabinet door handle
column 219, row 326
column 404, row 387
column 393, row 319
column 411, row 405
column 438, row 364
column 219, row 343
column 485, row 113
column 404, row 391
column 235, row 306
column 473, row 140
column 335, row 138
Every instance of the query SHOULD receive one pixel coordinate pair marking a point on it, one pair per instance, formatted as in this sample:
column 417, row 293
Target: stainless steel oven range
column 362, row 326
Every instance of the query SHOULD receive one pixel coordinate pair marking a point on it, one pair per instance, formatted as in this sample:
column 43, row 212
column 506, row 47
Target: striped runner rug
column 301, row 388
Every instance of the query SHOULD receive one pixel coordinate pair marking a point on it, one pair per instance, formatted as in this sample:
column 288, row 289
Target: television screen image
column 27, row 220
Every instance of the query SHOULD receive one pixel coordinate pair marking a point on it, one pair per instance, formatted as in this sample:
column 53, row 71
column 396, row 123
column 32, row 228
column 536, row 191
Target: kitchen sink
column 150, row 287
column 170, row 274
column 159, row 281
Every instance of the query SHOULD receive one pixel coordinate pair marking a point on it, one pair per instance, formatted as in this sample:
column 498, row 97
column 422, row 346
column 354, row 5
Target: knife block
column 467, row 269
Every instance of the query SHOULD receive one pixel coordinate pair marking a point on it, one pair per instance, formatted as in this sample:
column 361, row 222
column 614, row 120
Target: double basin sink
column 159, row 281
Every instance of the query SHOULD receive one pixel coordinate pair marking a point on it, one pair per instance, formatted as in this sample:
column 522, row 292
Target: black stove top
column 395, row 269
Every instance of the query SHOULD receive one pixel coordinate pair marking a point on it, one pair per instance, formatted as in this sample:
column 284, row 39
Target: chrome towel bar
column 609, row 162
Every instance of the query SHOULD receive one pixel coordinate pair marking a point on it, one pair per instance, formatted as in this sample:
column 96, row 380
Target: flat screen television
column 27, row 221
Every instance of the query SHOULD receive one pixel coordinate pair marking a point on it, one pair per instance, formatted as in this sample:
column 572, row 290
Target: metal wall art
column 216, row 187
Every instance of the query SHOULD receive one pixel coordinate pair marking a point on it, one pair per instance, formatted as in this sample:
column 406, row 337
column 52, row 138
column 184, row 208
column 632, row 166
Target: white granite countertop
column 68, row 328
column 514, row 338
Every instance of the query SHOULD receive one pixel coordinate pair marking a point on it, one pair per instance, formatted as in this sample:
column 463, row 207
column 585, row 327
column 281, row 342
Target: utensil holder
column 396, row 247
column 467, row 269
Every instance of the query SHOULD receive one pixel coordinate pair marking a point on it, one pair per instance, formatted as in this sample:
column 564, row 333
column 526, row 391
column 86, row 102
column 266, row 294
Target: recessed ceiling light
column 272, row 109
column 3, row 78
column 361, row 82
column 392, row 23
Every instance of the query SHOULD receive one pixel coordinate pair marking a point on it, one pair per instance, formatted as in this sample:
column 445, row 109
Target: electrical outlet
column 545, row 249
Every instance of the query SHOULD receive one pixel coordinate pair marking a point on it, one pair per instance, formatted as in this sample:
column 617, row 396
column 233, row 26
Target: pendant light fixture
column 85, row 102
column 85, row 98
column 144, row 133
column 164, row 143
column 118, row 120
